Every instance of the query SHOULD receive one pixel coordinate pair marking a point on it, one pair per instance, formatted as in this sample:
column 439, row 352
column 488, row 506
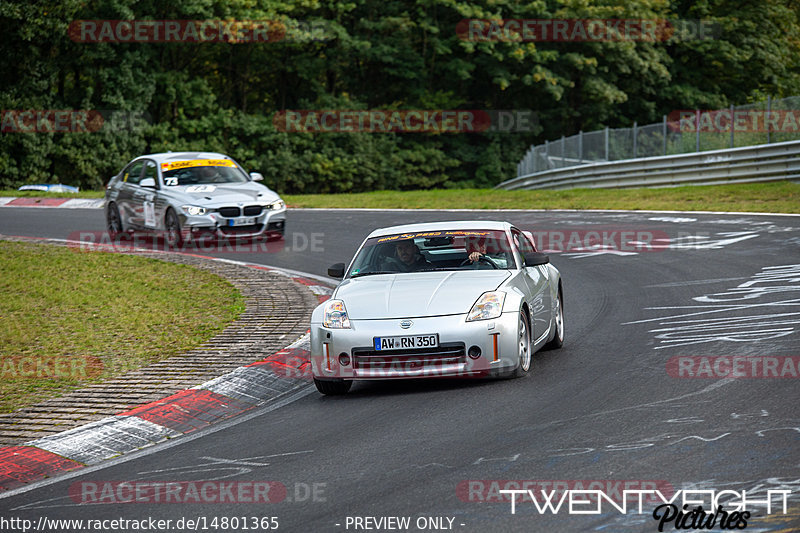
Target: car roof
column 180, row 156
column 440, row 226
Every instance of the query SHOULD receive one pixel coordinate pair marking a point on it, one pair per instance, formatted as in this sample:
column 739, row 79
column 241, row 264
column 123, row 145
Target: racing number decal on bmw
column 149, row 213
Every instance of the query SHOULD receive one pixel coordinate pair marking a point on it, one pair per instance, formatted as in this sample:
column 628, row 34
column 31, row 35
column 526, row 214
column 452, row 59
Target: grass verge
column 68, row 317
column 40, row 194
column 773, row 197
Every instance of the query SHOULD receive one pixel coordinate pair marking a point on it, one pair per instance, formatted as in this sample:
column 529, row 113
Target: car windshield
column 201, row 172
column 434, row 250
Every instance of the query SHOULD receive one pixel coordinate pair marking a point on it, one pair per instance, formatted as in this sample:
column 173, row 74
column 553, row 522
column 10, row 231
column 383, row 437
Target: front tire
column 333, row 387
column 174, row 237
column 558, row 338
column 523, row 345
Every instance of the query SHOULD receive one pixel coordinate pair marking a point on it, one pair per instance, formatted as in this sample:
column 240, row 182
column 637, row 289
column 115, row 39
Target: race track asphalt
column 608, row 407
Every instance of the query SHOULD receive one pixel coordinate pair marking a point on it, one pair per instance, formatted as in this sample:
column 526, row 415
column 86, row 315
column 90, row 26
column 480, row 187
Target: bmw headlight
column 334, row 315
column 276, row 205
column 194, row 210
column 489, row 305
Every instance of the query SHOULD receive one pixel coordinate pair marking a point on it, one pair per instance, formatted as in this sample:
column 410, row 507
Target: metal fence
column 764, row 162
column 682, row 132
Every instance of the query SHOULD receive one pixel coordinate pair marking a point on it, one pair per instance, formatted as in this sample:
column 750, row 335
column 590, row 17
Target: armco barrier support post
column 697, row 130
column 769, row 116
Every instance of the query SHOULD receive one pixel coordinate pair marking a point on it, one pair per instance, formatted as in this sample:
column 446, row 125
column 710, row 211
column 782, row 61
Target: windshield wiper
column 358, row 275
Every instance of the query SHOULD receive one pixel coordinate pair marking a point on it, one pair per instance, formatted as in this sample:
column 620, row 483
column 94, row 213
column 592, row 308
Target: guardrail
column 765, row 162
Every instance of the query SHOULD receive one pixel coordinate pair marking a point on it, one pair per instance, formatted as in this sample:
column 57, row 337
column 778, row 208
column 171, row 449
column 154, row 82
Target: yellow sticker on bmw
column 406, row 342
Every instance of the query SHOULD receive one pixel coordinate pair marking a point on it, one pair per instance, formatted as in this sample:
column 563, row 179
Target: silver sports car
column 190, row 194
column 445, row 299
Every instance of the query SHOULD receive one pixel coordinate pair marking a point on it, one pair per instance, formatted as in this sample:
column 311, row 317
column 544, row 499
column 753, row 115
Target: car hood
column 416, row 294
column 222, row 194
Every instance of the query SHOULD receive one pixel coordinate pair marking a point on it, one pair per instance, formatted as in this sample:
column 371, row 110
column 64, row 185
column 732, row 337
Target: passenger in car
column 407, row 258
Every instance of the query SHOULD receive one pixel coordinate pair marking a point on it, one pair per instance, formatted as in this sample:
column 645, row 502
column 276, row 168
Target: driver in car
column 483, row 247
column 407, row 258
column 209, row 174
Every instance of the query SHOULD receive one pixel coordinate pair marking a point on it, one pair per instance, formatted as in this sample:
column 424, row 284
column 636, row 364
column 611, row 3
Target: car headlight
column 194, row 210
column 276, row 205
column 489, row 305
column 335, row 315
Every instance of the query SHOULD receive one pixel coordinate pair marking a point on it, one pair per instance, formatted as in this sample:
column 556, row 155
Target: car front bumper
column 268, row 223
column 350, row 353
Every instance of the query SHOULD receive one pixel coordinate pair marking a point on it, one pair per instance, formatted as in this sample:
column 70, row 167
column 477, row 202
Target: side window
column 525, row 245
column 133, row 174
column 151, row 171
column 522, row 243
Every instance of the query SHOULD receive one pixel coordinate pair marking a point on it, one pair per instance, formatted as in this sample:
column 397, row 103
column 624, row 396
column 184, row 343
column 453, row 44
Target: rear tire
column 333, row 388
column 114, row 221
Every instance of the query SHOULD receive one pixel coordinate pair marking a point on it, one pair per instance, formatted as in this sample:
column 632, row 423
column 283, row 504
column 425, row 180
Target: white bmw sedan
column 186, row 195
column 445, row 299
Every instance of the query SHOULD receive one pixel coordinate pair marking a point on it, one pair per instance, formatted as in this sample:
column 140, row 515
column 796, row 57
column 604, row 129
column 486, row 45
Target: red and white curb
column 68, row 203
column 186, row 411
column 181, row 413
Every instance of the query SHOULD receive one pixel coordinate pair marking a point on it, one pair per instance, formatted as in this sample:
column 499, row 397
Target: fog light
column 474, row 352
column 344, row 359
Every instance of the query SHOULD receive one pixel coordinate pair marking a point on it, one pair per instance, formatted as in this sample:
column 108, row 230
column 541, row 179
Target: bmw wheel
column 113, row 221
column 173, row 236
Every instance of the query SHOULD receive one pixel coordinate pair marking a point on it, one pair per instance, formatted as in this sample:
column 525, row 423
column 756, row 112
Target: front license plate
column 241, row 221
column 404, row 342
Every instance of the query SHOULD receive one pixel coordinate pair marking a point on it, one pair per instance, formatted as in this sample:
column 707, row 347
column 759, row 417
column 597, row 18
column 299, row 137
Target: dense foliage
column 365, row 54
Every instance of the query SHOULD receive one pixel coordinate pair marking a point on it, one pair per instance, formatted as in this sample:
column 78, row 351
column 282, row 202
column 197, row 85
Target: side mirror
column 536, row 258
column 256, row 176
column 150, row 183
column 336, row 271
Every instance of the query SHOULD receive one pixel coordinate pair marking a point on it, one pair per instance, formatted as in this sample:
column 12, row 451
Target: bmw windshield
column 201, row 172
